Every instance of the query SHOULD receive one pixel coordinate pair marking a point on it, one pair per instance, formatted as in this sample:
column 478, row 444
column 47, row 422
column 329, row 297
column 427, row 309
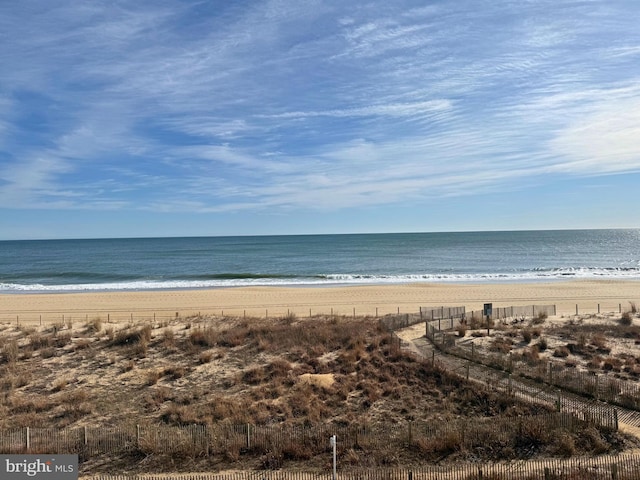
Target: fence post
column 614, row 471
column 85, row 438
column 138, row 436
column 615, row 418
column 547, row 473
column 248, row 436
column 27, row 439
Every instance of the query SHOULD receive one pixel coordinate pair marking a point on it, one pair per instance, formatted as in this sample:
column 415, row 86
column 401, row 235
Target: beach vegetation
column 462, row 329
column 291, row 372
column 542, row 344
column 94, row 325
column 626, row 319
column 561, row 352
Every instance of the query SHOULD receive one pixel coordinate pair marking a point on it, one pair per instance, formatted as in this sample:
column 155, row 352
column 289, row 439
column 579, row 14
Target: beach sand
column 588, row 295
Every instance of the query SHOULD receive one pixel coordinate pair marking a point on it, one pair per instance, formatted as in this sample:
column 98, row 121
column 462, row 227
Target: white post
column 332, row 442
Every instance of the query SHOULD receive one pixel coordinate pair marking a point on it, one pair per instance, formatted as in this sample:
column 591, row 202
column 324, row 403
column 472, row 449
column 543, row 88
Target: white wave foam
column 335, row 279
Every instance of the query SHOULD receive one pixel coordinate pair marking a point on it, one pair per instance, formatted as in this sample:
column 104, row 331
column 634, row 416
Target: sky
column 191, row 118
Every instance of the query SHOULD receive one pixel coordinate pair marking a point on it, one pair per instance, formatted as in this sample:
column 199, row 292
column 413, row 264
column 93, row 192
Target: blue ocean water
column 204, row 262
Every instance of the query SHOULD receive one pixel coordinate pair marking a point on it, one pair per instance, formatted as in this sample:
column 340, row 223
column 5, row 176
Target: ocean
column 316, row 260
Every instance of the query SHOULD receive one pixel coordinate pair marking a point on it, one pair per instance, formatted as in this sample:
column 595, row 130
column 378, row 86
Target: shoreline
column 588, row 296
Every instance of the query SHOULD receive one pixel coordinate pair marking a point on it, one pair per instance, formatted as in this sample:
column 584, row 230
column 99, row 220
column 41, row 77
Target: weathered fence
column 605, row 388
column 621, row 467
column 218, row 439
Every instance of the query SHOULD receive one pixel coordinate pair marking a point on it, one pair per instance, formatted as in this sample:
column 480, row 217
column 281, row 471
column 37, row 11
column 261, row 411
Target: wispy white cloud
column 273, row 104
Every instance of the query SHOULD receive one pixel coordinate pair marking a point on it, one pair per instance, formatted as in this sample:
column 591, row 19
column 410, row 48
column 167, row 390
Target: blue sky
column 171, row 118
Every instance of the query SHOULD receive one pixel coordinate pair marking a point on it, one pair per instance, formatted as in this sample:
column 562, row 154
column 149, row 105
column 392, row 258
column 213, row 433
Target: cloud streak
column 165, row 106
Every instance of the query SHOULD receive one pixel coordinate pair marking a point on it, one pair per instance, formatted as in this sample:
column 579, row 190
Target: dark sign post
column 487, row 311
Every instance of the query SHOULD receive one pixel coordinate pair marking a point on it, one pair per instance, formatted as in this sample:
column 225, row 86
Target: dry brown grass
column 288, row 371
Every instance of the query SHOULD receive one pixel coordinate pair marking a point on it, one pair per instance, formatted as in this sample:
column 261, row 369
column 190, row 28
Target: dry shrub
column 542, row 344
column 11, row 352
column 130, row 365
column 539, row 319
column 60, row 384
column 475, row 322
column 180, row 415
column 153, row 376
column 561, row 352
column 462, row 330
column 35, row 404
column 527, row 335
column 94, row 325
column 279, row 367
column 563, row 445
column 174, row 372
column 205, row 357
column 501, row 345
column 204, row 337
column 254, row 376
column 130, row 336
column 62, row 339
column 599, row 341
column 626, row 319
column 168, row 338
column 82, row 344
column 612, row 364
column 447, row 444
column 48, row 352
column 634, row 308
column 531, row 355
column 38, row 341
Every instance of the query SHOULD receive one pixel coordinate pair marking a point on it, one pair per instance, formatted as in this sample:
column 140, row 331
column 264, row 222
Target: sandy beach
column 588, row 295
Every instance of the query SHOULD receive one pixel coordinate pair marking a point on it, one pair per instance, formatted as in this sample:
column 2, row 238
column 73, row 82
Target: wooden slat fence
column 217, row 439
column 621, row 467
column 601, row 387
column 442, row 312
